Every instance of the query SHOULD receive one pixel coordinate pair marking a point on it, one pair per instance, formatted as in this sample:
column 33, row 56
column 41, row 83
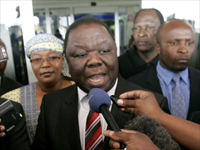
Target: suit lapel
column 120, row 117
column 69, row 115
column 153, row 81
column 194, row 91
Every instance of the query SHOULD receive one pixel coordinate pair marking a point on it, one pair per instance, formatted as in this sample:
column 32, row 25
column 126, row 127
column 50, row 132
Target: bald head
column 176, row 43
column 172, row 25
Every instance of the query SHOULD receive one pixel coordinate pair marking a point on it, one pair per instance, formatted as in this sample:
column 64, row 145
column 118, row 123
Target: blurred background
column 21, row 20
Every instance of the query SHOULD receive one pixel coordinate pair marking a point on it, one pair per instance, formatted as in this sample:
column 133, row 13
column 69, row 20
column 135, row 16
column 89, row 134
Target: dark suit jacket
column 58, row 126
column 149, row 80
column 17, row 138
column 7, row 85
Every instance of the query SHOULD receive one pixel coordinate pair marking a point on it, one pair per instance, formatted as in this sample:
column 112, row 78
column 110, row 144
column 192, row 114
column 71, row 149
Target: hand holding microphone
column 99, row 101
column 2, row 130
column 134, row 140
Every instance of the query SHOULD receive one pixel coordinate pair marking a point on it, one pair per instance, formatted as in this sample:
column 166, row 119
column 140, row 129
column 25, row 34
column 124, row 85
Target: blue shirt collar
column 167, row 75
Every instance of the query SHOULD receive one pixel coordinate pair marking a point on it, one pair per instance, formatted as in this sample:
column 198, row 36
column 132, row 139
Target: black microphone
column 99, row 101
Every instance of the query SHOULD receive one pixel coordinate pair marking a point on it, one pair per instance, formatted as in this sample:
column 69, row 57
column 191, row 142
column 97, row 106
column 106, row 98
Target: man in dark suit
column 92, row 57
column 17, row 138
column 6, row 84
column 143, row 54
column 176, row 45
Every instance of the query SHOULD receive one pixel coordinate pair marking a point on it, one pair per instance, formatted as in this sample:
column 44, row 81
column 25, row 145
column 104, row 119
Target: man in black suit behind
column 143, row 54
column 176, row 45
column 92, row 57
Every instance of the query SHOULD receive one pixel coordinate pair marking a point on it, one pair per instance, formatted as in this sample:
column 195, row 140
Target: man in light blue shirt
column 176, row 43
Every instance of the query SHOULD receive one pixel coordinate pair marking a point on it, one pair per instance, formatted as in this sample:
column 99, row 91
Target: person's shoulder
column 11, row 81
column 14, row 95
column 126, row 55
column 193, row 70
column 128, row 85
column 194, row 74
column 59, row 93
column 141, row 75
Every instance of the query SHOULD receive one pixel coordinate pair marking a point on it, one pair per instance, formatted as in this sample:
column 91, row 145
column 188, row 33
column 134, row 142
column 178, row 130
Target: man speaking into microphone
column 66, row 120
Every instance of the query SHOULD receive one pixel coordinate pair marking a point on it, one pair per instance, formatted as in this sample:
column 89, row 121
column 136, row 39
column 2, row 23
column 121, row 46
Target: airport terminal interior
column 21, row 20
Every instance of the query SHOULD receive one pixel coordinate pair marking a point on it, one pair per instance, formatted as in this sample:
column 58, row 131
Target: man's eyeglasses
column 39, row 61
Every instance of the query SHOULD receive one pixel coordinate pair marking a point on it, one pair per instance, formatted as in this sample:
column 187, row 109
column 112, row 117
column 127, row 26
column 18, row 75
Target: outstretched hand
column 132, row 139
column 139, row 103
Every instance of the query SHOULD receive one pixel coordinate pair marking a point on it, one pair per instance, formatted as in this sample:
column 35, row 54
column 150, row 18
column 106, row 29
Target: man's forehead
column 177, row 26
column 98, row 31
column 93, row 26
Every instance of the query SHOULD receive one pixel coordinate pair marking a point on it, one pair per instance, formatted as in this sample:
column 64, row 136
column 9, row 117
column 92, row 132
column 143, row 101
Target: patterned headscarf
column 44, row 42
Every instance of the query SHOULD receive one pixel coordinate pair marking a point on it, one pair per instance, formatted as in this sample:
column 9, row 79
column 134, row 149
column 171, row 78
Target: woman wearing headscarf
column 45, row 52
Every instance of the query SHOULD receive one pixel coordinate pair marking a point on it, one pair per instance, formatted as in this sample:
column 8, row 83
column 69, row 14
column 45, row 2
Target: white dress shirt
column 83, row 110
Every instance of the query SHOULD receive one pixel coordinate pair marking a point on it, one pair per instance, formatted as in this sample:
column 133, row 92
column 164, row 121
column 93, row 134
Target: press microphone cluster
column 157, row 133
column 99, row 102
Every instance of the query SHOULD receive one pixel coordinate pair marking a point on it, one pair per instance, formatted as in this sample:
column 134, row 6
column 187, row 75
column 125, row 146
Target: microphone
column 99, row 102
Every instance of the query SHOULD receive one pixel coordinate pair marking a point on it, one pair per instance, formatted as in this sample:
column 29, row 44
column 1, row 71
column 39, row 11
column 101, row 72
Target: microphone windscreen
column 98, row 97
column 157, row 133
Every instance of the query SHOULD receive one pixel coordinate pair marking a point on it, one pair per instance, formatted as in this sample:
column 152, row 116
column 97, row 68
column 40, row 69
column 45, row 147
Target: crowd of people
column 55, row 109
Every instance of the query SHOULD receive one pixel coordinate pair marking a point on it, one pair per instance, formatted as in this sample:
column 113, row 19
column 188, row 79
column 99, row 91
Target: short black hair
column 85, row 20
column 160, row 16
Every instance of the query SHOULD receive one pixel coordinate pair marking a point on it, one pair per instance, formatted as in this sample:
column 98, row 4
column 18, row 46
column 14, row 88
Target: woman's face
column 47, row 66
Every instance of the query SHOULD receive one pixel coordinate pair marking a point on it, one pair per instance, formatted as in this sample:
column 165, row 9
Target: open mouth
column 96, row 78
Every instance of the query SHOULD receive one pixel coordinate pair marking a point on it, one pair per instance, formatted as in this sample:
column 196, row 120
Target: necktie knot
column 176, row 77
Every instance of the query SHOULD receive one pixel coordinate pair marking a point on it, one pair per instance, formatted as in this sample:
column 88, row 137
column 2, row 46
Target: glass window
column 12, row 36
column 60, row 19
column 39, row 21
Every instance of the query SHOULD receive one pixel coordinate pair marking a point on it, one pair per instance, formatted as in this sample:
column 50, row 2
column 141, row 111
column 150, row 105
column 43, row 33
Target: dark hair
column 81, row 21
column 160, row 16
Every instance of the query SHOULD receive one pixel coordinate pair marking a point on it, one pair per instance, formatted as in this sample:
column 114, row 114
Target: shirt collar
column 184, row 75
column 167, row 75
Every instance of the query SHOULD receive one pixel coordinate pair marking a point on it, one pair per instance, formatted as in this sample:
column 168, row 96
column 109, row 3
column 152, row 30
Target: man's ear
column 157, row 48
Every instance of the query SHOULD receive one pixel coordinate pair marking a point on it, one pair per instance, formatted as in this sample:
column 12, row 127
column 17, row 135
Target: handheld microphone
column 99, row 101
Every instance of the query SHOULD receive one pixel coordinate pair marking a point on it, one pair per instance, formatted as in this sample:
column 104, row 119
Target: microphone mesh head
column 157, row 133
column 98, row 97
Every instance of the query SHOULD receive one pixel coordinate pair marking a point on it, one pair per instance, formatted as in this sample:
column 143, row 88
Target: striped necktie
column 93, row 133
column 178, row 99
